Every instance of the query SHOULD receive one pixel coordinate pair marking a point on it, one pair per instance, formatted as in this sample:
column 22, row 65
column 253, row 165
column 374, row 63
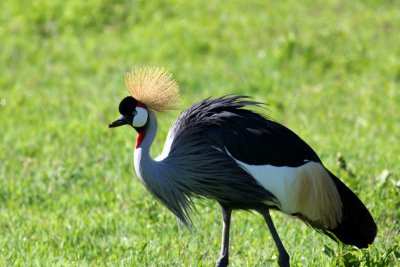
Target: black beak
column 118, row 122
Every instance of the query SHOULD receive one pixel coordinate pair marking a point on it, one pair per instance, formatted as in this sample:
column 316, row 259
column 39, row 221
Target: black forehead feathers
column 127, row 105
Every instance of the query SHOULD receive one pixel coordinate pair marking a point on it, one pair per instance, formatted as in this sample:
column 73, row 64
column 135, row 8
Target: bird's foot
column 222, row 262
column 284, row 260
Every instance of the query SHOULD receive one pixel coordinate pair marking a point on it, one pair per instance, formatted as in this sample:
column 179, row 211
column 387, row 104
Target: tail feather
column 357, row 226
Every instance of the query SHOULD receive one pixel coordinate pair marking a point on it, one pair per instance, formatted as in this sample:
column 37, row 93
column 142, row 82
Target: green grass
column 68, row 196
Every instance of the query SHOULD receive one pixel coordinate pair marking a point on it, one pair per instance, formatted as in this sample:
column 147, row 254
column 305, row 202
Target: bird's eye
column 134, row 113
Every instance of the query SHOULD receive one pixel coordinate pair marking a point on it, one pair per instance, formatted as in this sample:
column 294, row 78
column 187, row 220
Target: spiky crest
column 154, row 87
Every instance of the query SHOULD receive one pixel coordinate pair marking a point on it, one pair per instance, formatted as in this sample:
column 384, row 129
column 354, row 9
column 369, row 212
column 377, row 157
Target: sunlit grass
column 68, row 195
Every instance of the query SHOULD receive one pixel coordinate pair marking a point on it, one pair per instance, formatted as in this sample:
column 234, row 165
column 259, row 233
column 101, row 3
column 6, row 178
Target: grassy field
column 68, row 194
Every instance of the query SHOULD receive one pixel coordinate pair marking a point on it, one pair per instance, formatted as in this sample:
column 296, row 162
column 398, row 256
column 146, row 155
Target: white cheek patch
column 140, row 119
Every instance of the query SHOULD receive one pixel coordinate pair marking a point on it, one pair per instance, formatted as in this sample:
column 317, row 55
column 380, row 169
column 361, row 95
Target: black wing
column 248, row 136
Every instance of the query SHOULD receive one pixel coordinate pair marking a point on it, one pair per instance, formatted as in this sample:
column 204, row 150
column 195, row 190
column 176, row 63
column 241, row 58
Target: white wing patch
column 307, row 189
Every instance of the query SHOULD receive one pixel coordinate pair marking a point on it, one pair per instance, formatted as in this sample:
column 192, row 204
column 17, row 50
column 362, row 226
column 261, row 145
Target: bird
column 225, row 150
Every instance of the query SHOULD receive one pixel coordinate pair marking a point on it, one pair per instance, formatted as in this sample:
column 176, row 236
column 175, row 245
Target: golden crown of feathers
column 154, row 87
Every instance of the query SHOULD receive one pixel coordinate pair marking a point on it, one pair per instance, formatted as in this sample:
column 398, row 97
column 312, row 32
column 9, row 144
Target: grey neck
column 143, row 162
column 162, row 178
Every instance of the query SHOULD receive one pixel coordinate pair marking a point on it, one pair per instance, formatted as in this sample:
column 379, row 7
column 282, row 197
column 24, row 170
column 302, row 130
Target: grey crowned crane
column 219, row 149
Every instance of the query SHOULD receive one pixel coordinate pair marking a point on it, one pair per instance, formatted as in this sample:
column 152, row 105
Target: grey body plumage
column 199, row 165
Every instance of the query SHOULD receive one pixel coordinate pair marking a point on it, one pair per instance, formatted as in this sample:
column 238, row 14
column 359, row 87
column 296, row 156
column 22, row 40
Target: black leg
column 224, row 255
column 283, row 258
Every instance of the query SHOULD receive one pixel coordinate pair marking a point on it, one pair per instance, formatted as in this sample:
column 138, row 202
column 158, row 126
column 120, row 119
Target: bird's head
column 133, row 113
column 150, row 89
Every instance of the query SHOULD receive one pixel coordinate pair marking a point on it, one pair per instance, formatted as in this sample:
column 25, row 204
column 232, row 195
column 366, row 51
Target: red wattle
column 139, row 138
column 140, row 105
